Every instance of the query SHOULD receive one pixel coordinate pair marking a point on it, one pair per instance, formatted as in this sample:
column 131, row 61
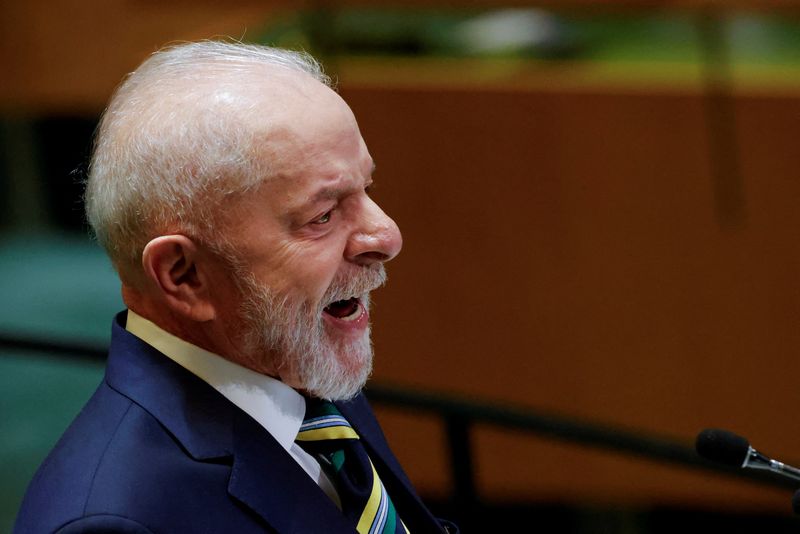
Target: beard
column 291, row 332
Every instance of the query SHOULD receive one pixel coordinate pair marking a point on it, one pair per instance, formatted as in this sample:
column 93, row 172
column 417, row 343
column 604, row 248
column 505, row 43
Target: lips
column 344, row 309
column 347, row 300
column 348, row 317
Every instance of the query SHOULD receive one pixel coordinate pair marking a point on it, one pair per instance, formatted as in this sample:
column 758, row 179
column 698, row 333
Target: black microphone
column 731, row 449
column 796, row 502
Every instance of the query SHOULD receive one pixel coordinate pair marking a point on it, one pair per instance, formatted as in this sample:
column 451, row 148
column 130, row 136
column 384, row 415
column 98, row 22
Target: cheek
column 228, row 300
column 312, row 273
column 308, row 279
column 304, row 267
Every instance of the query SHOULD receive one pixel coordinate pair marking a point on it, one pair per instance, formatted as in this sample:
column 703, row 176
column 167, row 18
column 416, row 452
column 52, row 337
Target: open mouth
column 346, row 310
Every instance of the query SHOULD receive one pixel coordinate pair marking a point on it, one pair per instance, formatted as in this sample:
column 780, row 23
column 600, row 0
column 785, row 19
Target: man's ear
column 174, row 264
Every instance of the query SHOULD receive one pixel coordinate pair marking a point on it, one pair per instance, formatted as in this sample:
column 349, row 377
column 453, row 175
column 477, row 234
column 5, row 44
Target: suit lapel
column 196, row 414
column 264, row 476
column 273, row 485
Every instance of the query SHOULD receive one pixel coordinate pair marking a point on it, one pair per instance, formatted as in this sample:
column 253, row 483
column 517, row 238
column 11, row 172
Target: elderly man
column 230, row 186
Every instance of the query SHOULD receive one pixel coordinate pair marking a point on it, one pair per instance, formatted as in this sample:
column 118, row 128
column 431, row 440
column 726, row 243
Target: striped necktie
column 327, row 435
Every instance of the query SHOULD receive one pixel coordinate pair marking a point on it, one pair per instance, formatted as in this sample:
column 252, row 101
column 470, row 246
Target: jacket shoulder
column 104, row 523
column 61, row 487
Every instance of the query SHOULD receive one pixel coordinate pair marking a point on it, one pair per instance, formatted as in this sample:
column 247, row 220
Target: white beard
column 293, row 334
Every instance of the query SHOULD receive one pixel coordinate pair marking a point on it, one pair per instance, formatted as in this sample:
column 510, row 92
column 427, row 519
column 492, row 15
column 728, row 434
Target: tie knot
column 323, row 421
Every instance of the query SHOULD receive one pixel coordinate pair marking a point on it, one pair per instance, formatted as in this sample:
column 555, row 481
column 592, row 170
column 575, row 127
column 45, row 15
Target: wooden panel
column 66, row 56
column 561, row 251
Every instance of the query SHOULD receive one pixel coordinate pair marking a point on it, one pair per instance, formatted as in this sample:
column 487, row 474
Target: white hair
column 174, row 142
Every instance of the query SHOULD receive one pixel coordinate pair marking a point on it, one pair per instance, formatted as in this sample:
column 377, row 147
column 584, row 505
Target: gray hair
column 174, row 143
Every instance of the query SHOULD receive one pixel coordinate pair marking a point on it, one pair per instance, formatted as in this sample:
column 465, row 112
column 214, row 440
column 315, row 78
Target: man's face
column 309, row 246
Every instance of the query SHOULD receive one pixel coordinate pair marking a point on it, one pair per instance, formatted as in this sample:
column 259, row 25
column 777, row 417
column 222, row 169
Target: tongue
column 342, row 308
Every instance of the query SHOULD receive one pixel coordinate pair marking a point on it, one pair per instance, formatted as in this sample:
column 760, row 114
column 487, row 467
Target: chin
column 325, row 356
column 338, row 373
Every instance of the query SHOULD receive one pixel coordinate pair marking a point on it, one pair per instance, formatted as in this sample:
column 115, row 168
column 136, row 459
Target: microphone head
column 796, row 502
column 722, row 446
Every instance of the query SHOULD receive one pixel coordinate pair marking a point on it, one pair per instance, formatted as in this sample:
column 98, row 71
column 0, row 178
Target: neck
column 218, row 336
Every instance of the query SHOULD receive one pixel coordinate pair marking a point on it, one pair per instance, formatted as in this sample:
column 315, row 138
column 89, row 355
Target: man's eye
column 324, row 219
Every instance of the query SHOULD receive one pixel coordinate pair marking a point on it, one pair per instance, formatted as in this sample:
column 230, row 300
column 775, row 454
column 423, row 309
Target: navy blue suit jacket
column 158, row 450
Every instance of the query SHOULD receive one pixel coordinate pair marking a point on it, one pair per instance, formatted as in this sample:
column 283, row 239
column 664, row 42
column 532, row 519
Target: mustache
column 355, row 283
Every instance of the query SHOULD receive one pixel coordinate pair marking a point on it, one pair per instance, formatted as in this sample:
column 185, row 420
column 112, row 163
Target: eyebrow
column 332, row 193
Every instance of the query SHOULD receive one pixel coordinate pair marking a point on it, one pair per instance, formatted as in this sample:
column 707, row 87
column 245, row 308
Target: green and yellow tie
column 327, row 435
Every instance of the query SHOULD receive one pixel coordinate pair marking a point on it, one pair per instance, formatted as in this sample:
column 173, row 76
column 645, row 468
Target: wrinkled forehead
column 304, row 132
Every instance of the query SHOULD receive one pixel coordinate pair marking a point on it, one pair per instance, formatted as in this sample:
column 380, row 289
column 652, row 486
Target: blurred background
column 600, row 202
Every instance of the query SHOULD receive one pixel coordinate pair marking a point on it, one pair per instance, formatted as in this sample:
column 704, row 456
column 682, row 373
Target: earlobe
column 173, row 265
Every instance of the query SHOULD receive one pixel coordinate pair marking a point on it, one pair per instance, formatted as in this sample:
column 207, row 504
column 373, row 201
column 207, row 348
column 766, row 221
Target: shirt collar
column 274, row 405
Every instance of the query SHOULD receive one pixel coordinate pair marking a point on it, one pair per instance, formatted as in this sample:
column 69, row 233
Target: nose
column 377, row 238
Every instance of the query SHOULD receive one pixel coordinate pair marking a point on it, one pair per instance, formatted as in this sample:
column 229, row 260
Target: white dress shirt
column 274, row 405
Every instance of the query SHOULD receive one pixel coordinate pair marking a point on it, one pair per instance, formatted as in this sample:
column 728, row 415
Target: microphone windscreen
column 722, row 446
column 796, row 502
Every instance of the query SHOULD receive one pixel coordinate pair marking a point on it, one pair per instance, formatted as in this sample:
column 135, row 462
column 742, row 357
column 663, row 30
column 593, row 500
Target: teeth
column 353, row 316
